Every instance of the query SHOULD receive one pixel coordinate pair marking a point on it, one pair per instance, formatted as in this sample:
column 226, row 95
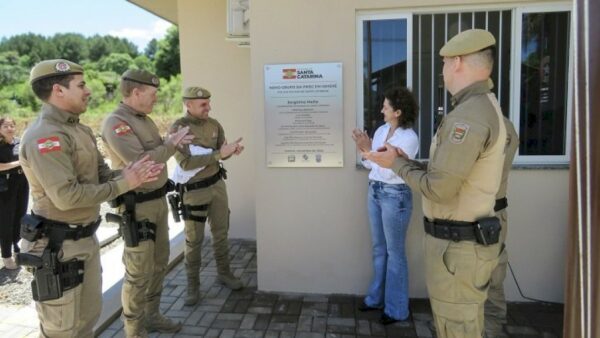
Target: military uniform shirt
column 67, row 174
column 130, row 135
column 464, row 171
column 208, row 133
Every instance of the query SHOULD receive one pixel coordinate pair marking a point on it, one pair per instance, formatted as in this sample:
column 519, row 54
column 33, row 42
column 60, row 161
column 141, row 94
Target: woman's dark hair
column 43, row 87
column 402, row 99
column 2, row 120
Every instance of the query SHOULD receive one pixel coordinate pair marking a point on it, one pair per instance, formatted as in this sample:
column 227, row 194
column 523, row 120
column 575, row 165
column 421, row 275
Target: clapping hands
column 362, row 140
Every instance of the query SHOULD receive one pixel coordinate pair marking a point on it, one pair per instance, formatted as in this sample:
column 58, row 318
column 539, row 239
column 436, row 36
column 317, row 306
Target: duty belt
column 74, row 233
column 201, row 184
column 452, row 230
column 55, row 230
column 141, row 197
column 501, row 203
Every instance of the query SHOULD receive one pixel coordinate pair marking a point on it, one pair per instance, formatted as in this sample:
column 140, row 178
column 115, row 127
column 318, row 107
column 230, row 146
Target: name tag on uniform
column 49, row 144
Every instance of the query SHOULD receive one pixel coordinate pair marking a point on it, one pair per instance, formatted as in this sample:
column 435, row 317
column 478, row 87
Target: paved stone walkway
column 251, row 313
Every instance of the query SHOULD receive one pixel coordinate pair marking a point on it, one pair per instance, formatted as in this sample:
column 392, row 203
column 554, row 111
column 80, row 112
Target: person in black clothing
column 14, row 192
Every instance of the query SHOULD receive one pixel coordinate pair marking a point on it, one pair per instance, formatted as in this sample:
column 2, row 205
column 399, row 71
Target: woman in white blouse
column 390, row 207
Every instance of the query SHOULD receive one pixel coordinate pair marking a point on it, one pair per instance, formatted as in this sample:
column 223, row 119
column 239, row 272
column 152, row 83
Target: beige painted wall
column 209, row 61
column 311, row 224
column 312, row 228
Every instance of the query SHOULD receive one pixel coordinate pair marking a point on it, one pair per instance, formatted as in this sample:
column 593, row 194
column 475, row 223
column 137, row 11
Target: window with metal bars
column 402, row 50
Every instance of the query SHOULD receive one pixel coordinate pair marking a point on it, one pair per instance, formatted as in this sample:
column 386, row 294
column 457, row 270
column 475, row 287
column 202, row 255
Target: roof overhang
column 166, row 9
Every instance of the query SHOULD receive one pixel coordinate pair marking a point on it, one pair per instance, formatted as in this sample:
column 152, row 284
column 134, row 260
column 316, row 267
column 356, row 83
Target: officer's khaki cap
column 467, row 42
column 192, row 93
column 56, row 67
column 141, row 76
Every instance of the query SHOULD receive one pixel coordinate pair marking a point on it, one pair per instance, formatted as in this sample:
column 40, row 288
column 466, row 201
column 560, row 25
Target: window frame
column 515, row 111
column 515, row 72
column 379, row 15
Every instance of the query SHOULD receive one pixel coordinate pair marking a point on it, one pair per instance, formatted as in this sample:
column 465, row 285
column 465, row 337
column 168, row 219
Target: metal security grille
column 430, row 33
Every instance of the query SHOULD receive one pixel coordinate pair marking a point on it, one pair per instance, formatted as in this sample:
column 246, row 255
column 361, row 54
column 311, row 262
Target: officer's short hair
column 42, row 88
column 402, row 99
column 481, row 59
column 127, row 87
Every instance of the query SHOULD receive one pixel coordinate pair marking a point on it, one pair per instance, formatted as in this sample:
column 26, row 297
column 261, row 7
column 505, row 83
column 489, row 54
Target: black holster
column 180, row 210
column 176, row 203
column 51, row 277
column 133, row 231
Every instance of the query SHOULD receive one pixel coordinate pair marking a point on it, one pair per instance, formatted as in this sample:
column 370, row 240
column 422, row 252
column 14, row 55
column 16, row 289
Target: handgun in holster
column 46, row 284
column 133, row 231
column 127, row 227
column 51, row 277
column 176, row 203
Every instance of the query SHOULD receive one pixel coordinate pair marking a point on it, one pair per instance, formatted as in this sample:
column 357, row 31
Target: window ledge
column 517, row 166
column 538, row 166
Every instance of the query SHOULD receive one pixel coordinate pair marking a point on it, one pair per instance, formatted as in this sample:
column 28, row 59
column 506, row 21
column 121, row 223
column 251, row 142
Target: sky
column 88, row 17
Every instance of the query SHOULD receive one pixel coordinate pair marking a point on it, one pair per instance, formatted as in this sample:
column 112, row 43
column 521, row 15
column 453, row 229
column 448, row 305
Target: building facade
column 311, row 224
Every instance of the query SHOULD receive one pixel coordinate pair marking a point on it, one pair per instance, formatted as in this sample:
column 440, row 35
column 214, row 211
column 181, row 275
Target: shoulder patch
column 459, row 132
column 121, row 128
column 48, row 144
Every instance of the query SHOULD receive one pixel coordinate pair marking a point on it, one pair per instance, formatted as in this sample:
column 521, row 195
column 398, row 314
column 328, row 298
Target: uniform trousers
column 145, row 267
column 458, row 276
column 217, row 213
column 495, row 305
column 74, row 314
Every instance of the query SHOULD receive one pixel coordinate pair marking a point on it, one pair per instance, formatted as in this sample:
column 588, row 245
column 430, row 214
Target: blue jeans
column 390, row 206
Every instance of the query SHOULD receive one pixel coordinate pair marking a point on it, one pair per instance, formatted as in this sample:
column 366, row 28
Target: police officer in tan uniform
column 495, row 305
column 204, row 191
column 68, row 180
column 129, row 133
column 459, row 187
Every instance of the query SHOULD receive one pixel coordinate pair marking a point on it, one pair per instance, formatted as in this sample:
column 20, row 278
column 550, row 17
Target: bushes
column 104, row 59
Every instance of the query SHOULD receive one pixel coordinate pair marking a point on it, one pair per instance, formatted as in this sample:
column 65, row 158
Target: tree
column 71, row 46
column 98, row 47
column 11, row 70
column 115, row 62
column 35, row 46
column 151, row 48
column 167, row 60
column 142, row 62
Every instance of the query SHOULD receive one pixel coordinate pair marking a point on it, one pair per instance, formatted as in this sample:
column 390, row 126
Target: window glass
column 384, row 57
column 544, row 90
